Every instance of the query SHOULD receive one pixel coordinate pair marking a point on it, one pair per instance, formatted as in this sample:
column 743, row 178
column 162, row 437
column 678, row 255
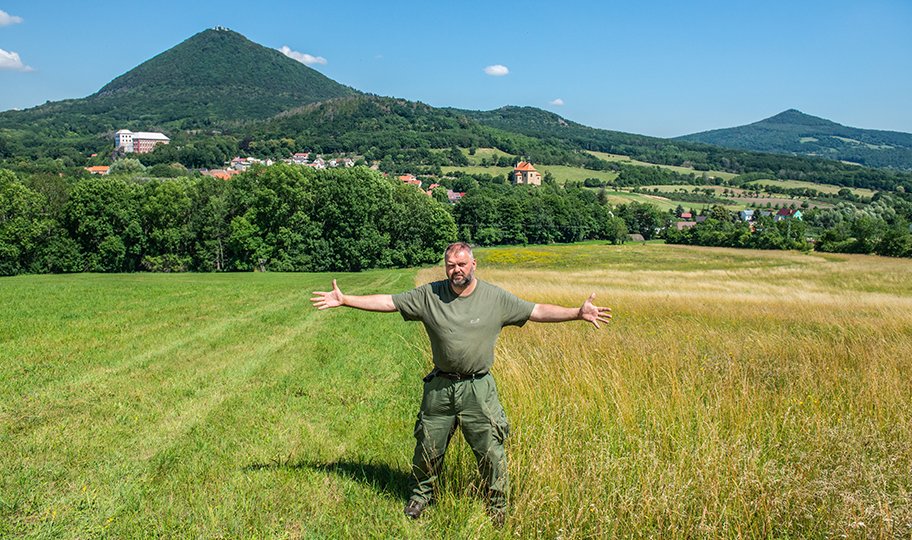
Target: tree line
column 881, row 228
column 281, row 218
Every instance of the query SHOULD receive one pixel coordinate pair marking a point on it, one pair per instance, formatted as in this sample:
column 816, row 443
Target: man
column 463, row 317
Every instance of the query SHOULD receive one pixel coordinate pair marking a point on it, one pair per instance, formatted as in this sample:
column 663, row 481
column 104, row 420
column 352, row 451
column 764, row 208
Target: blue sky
column 655, row 68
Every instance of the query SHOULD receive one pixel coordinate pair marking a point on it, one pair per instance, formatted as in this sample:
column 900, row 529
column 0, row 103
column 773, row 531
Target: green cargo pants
column 472, row 405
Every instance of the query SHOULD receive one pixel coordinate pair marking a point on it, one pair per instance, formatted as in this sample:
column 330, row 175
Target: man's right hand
column 330, row 299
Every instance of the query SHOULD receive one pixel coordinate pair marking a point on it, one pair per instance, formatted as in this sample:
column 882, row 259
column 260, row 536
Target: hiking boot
column 414, row 508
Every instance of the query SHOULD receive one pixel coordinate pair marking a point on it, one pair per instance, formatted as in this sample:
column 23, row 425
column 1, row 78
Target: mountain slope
column 793, row 132
column 213, row 78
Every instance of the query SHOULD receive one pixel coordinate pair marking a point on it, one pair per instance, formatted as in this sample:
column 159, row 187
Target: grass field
column 682, row 170
column 823, row 188
column 561, row 173
column 735, row 394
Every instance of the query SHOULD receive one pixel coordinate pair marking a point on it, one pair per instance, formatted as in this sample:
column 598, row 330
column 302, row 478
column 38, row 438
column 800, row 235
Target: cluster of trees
column 721, row 230
column 280, row 218
column 881, row 228
column 498, row 213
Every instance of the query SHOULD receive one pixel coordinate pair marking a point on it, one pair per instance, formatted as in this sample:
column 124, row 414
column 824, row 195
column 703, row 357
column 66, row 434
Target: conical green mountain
column 796, row 133
column 222, row 75
column 213, row 78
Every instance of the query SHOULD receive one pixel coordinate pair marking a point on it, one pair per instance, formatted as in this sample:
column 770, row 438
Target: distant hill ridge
column 797, row 133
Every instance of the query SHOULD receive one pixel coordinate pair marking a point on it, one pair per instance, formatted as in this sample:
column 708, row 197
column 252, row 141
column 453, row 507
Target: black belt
column 461, row 376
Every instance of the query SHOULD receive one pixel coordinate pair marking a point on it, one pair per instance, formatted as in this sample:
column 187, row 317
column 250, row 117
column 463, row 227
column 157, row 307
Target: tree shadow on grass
column 379, row 476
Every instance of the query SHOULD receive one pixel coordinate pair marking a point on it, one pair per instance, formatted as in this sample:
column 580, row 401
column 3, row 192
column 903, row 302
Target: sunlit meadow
column 735, row 394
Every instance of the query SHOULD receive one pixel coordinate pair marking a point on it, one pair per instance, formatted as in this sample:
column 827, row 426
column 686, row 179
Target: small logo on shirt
column 475, row 321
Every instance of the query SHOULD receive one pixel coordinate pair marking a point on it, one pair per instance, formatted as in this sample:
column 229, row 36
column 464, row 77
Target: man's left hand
column 594, row 314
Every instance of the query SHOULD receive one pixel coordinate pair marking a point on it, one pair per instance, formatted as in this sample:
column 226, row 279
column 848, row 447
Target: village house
column 221, row 174
column 787, row 213
column 746, row 215
column 410, row 179
column 141, row 142
column 455, row 196
column 525, row 173
column 681, row 225
column 98, row 169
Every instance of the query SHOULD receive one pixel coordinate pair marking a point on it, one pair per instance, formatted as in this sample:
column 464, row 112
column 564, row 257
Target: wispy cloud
column 6, row 19
column 11, row 60
column 497, row 70
column 304, row 58
column 557, row 102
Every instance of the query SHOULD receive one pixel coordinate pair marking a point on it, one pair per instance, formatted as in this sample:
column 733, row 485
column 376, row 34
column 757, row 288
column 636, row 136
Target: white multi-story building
column 140, row 142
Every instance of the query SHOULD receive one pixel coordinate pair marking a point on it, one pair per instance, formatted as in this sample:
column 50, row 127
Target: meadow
column 735, row 393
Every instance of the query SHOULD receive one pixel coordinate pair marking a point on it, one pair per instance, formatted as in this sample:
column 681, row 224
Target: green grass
column 736, row 393
column 203, row 405
column 682, row 170
column 561, row 173
column 823, row 188
column 483, row 153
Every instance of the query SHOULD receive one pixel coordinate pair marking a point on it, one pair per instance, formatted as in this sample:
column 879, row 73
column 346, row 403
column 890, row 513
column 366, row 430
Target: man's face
column 460, row 268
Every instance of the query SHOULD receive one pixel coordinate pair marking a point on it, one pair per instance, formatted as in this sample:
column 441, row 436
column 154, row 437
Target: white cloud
column 304, row 58
column 497, row 70
column 11, row 60
column 557, row 102
column 6, row 19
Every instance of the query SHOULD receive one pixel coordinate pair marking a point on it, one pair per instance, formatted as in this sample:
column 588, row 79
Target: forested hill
column 213, row 78
column 793, row 132
column 404, row 134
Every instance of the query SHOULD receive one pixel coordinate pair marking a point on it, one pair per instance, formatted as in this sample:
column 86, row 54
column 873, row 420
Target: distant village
column 143, row 142
column 524, row 173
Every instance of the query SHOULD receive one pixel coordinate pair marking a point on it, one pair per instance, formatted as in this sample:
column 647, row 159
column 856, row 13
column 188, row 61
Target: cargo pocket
column 495, row 413
column 501, row 425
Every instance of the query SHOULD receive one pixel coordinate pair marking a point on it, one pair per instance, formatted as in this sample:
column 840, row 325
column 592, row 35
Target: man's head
column 460, row 264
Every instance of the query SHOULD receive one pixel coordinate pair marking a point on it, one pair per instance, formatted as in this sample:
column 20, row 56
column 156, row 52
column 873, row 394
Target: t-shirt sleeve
column 411, row 304
column 514, row 310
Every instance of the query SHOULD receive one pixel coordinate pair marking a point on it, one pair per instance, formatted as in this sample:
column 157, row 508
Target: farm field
column 682, row 170
column 562, row 173
column 735, row 393
column 483, row 153
column 823, row 188
column 741, row 200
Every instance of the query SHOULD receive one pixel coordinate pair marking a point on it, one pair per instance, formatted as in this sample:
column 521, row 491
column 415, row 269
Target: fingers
column 335, row 287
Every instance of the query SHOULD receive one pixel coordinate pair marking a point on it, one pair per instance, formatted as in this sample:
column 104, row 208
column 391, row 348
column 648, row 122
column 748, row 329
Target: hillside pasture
column 682, row 170
column 483, row 153
column 822, row 188
column 739, row 196
column 562, row 173
column 735, row 393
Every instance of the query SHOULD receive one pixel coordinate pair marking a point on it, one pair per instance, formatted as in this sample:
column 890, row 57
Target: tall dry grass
column 763, row 397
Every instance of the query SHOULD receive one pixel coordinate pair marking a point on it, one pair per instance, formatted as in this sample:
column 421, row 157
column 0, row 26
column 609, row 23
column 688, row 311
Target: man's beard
column 466, row 279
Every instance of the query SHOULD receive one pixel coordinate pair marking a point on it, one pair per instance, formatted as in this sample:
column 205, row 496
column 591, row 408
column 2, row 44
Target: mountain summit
column 794, row 132
column 211, row 78
column 219, row 74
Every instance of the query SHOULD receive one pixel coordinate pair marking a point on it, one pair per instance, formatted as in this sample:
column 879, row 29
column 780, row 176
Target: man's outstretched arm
column 370, row 302
column 586, row 312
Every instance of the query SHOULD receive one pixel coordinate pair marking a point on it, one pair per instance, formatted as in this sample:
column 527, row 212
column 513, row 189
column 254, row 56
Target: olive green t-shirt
column 463, row 329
